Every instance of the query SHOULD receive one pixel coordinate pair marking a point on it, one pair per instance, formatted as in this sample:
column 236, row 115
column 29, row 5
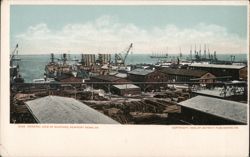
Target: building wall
column 243, row 74
column 219, row 72
column 106, row 84
column 179, row 78
column 137, row 78
column 123, row 92
column 156, row 77
column 208, row 78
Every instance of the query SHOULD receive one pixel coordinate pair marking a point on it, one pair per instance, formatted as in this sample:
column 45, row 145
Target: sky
column 40, row 29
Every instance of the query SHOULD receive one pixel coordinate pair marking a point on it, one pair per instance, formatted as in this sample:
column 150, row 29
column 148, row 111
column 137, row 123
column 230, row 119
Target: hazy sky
column 47, row 29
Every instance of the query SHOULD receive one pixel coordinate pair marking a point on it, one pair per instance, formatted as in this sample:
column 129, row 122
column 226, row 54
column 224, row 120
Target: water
column 32, row 66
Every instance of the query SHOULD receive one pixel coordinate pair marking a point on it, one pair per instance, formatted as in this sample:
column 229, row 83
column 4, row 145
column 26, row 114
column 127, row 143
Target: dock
column 97, row 90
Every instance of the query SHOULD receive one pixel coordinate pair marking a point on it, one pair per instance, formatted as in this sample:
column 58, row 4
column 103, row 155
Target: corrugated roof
column 184, row 72
column 141, row 72
column 72, row 79
column 121, row 75
column 222, row 108
column 127, row 86
column 55, row 109
column 110, row 78
column 221, row 66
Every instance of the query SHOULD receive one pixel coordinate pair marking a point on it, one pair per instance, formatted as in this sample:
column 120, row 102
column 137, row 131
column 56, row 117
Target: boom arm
column 13, row 53
column 130, row 47
column 119, row 59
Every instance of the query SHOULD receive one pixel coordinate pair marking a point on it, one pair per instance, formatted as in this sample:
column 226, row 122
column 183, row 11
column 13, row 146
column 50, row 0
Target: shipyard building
column 236, row 72
column 187, row 75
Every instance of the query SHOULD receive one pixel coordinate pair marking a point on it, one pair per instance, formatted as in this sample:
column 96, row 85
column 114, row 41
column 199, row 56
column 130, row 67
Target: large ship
column 63, row 71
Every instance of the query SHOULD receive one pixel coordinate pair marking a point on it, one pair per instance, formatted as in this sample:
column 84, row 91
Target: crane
column 12, row 56
column 119, row 59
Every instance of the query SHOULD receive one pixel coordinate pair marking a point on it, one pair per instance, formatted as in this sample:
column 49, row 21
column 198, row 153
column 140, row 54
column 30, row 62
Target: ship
column 63, row 71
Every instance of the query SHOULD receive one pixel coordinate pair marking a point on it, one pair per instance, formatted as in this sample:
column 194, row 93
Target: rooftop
column 222, row 108
column 140, row 72
column 184, row 72
column 126, row 86
column 216, row 92
column 219, row 66
column 109, row 78
column 121, row 75
column 62, row 110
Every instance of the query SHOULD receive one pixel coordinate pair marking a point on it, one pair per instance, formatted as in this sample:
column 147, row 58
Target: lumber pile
column 137, row 111
column 21, row 109
column 145, row 118
column 118, row 115
column 176, row 95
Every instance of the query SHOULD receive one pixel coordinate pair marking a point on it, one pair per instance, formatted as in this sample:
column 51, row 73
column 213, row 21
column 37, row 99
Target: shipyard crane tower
column 119, row 59
column 13, row 54
column 15, row 76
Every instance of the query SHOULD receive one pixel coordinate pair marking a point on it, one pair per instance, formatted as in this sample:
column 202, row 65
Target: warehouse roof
column 108, row 78
column 141, row 72
column 219, row 66
column 127, row 86
column 55, row 109
column 121, row 75
column 222, row 108
column 184, row 72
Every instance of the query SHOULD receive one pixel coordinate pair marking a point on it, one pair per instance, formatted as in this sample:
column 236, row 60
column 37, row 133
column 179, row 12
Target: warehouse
column 243, row 74
column 186, row 75
column 105, row 81
column 140, row 75
column 150, row 77
column 61, row 110
column 204, row 110
column 126, row 89
column 220, row 70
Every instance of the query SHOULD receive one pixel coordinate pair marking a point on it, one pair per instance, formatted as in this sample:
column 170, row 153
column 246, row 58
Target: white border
column 112, row 140
column 130, row 2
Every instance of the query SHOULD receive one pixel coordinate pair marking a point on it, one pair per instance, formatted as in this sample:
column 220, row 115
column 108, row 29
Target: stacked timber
column 145, row 111
column 177, row 95
column 118, row 115
column 145, row 118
